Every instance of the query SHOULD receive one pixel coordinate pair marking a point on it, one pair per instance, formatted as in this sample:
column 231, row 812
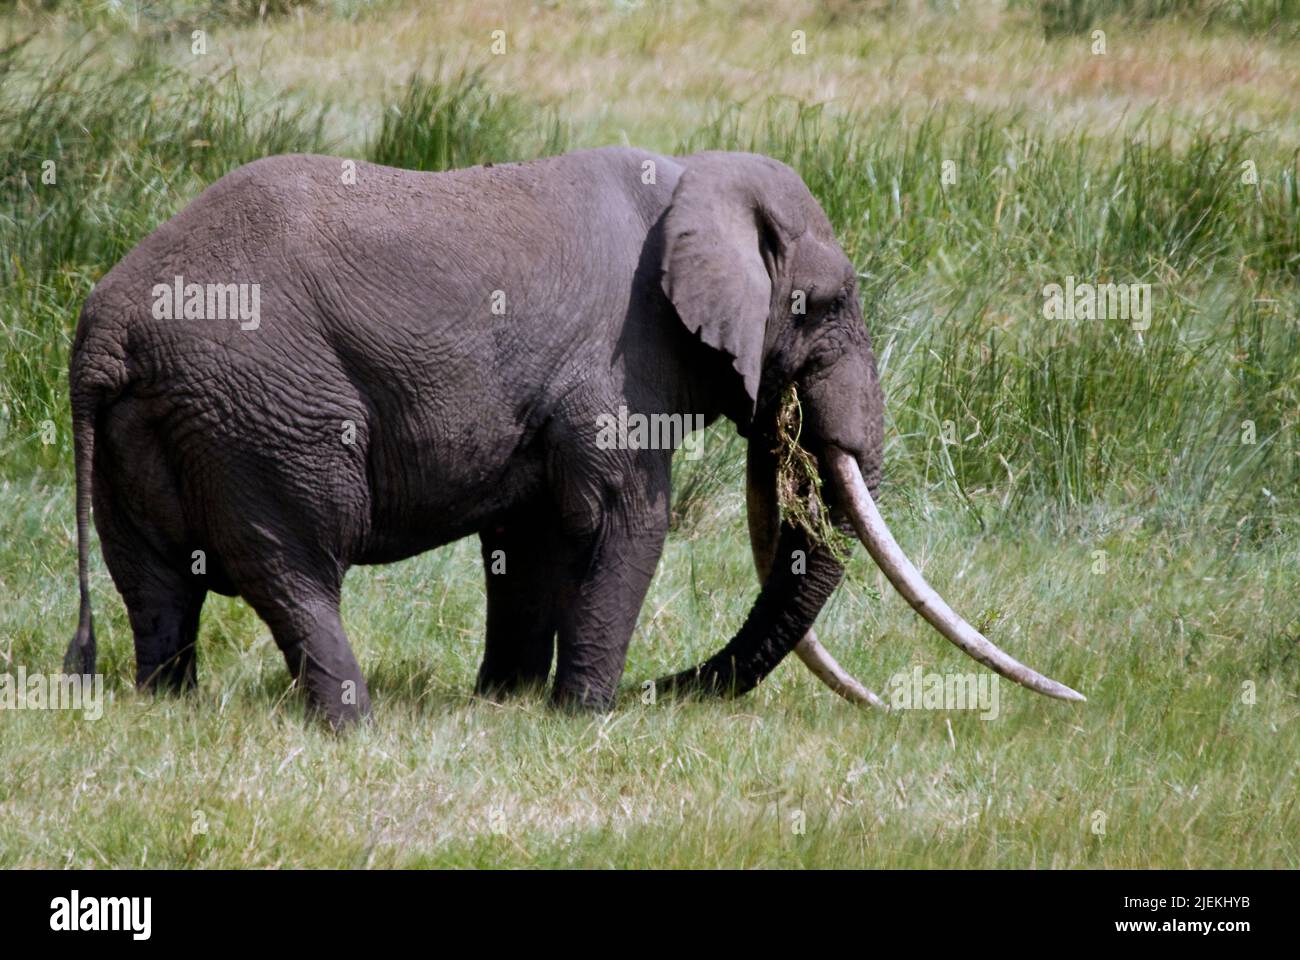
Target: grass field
column 1118, row 507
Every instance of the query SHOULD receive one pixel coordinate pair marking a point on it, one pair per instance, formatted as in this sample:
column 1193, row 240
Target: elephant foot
column 505, row 685
column 578, row 699
column 339, row 716
column 338, row 697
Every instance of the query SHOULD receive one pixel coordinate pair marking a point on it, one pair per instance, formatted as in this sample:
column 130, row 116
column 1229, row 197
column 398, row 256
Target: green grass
column 127, row 146
column 163, row 16
column 1279, row 18
column 1185, row 773
column 460, row 122
column 1100, row 514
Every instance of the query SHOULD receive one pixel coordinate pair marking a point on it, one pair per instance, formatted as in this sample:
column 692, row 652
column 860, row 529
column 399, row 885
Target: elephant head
column 752, row 267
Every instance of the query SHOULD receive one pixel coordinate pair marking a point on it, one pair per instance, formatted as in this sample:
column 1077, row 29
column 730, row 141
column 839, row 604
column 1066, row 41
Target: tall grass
column 458, row 122
column 1066, row 412
column 1279, row 18
column 957, row 224
column 164, row 16
column 94, row 158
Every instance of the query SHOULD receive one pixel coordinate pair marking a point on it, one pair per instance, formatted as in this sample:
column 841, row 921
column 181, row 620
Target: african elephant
column 417, row 357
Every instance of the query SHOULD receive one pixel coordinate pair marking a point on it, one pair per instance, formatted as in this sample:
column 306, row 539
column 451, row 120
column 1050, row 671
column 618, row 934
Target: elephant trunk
column 791, row 598
column 764, row 525
column 784, row 612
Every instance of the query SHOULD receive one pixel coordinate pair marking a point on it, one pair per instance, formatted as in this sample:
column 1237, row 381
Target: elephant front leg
column 522, row 571
column 598, row 612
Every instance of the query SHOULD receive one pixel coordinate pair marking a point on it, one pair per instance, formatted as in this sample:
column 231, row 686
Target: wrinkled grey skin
column 667, row 297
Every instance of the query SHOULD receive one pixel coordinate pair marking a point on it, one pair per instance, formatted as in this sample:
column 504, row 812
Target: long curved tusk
column 907, row 580
column 760, row 503
column 826, row 669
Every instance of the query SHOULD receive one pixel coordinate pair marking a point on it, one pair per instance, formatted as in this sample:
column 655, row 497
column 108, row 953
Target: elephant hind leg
column 163, row 606
column 294, row 587
column 283, row 535
column 522, row 568
column 166, row 627
column 146, row 553
column 303, row 614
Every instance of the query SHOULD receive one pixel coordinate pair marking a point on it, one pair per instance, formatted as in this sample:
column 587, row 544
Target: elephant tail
column 96, row 371
column 80, row 657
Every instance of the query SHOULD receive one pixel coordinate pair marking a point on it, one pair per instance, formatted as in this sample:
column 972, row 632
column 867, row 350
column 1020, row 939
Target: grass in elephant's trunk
column 798, row 482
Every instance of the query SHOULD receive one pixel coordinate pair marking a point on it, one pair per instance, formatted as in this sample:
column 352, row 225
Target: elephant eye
column 840, row 304
column 822, row 307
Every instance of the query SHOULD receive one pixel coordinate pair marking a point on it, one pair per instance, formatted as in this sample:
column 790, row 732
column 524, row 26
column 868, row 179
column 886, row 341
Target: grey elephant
column 322, row 363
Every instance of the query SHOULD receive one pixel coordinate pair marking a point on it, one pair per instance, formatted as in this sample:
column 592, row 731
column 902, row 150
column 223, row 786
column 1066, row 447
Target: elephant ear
column 720, row 245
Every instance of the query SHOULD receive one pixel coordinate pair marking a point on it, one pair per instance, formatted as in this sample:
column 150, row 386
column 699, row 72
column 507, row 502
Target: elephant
column 321, row 363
